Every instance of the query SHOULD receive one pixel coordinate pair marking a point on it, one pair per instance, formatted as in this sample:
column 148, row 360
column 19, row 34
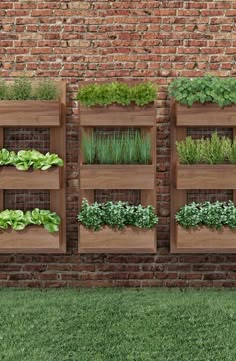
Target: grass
column 124, row 325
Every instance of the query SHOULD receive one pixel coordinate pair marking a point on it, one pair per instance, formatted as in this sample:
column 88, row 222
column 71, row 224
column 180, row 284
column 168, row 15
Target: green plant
column 103, row 150
column 89, row 148
column 116, row 93
column 18, row 219
column 24, row 159
column 116, row 215
column 131, row 148
column 212, row 215
column 145, row 147
column 22, row 89
column 117, row 148
column 209, row 88
column 215, row 150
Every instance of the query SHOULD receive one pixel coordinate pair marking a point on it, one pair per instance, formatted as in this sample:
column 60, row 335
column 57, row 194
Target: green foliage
column 204, row 89
column 116, row 215
column 18, row 219
column 125, row 149
column 22, row 89
column 215, row 150
column 24, row 159
column 117, row 93
column 212, row 215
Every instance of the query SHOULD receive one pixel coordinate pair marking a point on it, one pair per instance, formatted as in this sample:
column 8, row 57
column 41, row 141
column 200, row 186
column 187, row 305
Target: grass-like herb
column 214, row 150
column 125, row 149
column 22, row 89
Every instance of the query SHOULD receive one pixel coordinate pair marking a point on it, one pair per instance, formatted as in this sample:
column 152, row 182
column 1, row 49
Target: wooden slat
column 205, row 240
column 58, row 145
column 29, row 113
column 33, row 239
column 115, row 115
column 205, row 176
column 129, row 240
column 11, row 178
column 116, row 177
column 206, row 115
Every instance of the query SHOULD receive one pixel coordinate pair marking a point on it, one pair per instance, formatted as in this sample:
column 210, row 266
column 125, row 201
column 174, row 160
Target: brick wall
column 155, row 40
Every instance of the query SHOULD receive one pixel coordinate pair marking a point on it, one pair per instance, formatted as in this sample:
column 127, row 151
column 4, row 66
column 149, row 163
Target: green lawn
column 124, row 325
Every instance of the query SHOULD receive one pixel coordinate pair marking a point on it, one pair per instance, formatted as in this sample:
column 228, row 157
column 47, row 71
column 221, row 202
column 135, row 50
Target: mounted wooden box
column 122, row 176
column 33, row 239
column 12, row 178
column 117, row 115
column 204, row 240
column 206, row 176
column 29, row 113
column 205, row 115
column 108, row 240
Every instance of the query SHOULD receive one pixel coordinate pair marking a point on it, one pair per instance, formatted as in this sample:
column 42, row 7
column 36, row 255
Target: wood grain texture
column 129, row 240
column 205, row 240
column 116, row 176
column 115, row 115
column 205, row 176
column 33, row 239
column 11, row 178
column 29, row 113
column 206, row 115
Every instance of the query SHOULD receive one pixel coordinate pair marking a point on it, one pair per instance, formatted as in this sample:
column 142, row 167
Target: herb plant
column 22, row 89
column 24, row 159
column 18, row 219
column 205, row 89
column 116, row 215
column 212, row 215
column 125, row 149
column 117, row 93
column 215, row 150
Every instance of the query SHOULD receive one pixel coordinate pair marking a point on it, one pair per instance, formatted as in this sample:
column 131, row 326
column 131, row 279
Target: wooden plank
column 205, row 115
column 115, row 115
column 116, row 176
column 129, row 240
column 58, row 145
column 206, row 176
column 11, row 178
column 33, row 239
column 205, row 240
column 29, row 113
column 178, row 197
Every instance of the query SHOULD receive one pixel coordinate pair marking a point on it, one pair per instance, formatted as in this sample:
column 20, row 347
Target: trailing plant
column 18, row 219
column 128, row 148
column 24, row 159
column 209, row 88
column 213, row 215
column 214, row 150
column 117, row 93
column 116, row 215
column 22, row 89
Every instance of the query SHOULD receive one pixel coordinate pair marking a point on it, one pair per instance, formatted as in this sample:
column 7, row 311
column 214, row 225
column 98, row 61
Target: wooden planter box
column 205, row 115
column 29, row 113
column 98, row 176
column 117, row 115
column 108, row 240
column 205, row 176
column 12, row 178
column 33, row 239
column 204, row 240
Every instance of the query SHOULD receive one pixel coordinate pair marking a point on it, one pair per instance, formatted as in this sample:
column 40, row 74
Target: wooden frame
column 205, row 115
column 35, row 179
column 96, row 176
column 200, row 176
column 206, row 176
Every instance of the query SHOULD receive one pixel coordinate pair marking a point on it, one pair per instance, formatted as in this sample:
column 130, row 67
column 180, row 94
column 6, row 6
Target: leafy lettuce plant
column 116, row 215
column 18, row 219
column 24, row 159
column 117, row 93
column 212, row 89
column 212, row 215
